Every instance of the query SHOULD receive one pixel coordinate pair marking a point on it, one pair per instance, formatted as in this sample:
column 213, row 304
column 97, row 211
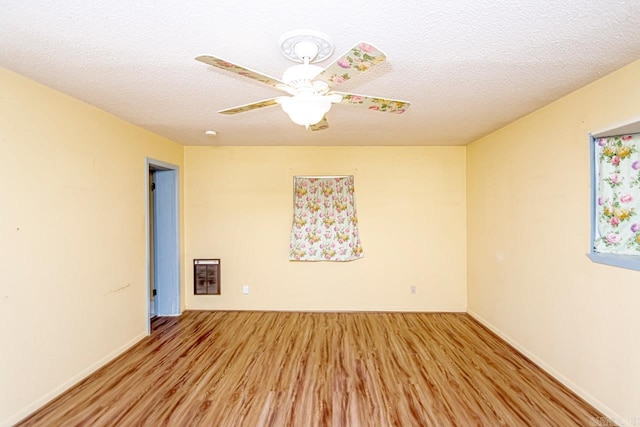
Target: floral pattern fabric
column 618, row 195
column 235, row 68
column 358, row 59
column 376, row 104
column 325, row 224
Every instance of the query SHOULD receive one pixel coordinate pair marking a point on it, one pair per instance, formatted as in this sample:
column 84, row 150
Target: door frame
column 170, row 236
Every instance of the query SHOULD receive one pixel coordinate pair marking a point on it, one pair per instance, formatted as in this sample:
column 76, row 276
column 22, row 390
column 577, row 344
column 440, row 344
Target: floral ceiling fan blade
column 321, row 125
column 356, row 60
column 251, row 106
column 243, row 71
column 373, row 103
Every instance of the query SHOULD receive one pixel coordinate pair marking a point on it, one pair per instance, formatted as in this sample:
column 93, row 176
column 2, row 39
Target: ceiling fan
column 310, row 87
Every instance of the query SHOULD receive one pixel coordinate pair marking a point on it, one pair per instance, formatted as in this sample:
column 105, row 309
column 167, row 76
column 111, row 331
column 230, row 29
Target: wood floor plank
column 318, row 369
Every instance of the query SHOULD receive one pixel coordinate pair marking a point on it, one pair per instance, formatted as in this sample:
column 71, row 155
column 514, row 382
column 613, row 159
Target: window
column 615, row 197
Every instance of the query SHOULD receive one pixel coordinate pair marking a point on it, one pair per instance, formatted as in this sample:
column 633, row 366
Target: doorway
column 163, row 240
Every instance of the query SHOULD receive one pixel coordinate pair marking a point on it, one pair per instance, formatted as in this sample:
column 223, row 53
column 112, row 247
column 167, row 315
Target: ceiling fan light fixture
column 305, row 109
column 310, row 86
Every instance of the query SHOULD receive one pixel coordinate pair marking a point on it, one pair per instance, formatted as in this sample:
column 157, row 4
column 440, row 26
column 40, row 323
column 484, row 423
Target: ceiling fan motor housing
column 299, row 76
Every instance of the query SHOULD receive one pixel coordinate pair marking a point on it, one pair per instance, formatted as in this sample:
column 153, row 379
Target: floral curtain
column 325, row 225
column 618, row 195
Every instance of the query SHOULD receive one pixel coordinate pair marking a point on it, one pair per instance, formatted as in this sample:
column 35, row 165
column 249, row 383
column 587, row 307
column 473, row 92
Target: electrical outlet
column 413, row 289
column 245, row 289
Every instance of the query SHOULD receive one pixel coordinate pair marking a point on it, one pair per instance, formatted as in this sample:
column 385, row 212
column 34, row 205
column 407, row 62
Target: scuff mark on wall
column 116, row 290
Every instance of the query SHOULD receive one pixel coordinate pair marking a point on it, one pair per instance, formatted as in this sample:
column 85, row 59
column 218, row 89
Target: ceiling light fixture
column 309, row 104
column 210, row 132
column 305, row 108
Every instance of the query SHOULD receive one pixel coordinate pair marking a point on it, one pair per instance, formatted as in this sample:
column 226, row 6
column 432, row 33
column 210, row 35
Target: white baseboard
column 37, row 404
column 544, row 366
column 345, row 310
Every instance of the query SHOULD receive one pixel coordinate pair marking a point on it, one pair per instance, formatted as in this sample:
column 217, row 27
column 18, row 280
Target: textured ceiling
column 468, row 67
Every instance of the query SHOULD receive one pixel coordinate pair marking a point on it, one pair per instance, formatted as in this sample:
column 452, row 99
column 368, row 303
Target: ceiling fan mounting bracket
column 299, row 45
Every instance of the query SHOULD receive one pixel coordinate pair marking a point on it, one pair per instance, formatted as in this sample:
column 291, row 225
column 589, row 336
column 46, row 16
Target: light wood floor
column 318, row 369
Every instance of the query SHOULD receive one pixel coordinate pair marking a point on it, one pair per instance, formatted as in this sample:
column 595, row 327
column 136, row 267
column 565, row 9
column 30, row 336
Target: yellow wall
column 411, row 210
column 72, row 246
column 528, row 233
